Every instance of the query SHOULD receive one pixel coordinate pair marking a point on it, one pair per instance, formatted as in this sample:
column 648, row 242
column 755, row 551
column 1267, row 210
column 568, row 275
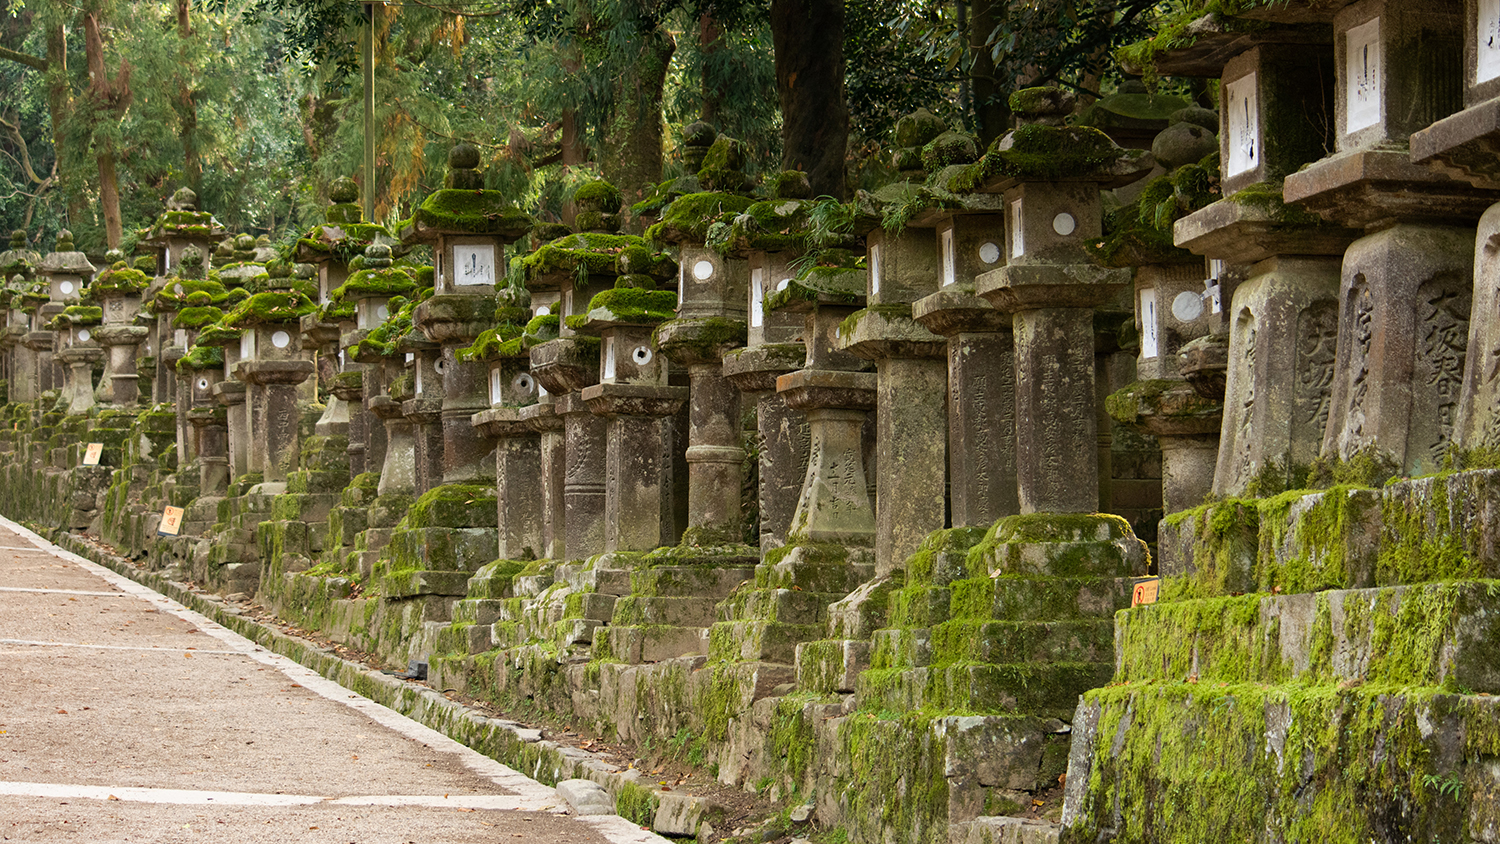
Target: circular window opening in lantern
column 524, row 384
column 84, row 335
column 1064, row 224
column 543, row 311
column 67, row 287
column 383, row 312
column 281, row 339
column 703, row 270
column 641, row 355
column 441, row 367
column 1187, row 306
column 989, row 252
column 203, row 383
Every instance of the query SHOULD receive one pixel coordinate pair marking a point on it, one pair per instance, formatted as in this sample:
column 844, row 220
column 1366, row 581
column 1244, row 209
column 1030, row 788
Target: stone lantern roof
column 66, row 260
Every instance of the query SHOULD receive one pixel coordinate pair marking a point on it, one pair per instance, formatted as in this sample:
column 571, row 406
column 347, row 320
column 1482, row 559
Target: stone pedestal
column 349, row 388
column 454, row 320
column 78, row 389
column 834, row 505
column 784, row 433
column 1283, row 329
column 1403, row 336
column 638, row 461
column 232, row 394
column 123, row 381
column 211, row 426
column 398, row 468
column 981, row 404
column 715, row 459
column 274, row 414
column 553, row 465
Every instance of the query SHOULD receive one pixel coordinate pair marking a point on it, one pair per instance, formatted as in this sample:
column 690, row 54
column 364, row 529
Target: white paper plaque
column 1487, row 33
column 473, row 264
column 1362, row 77
column 757, row 297
column 1242, row 101
column 949, row 259
column 1017, row 240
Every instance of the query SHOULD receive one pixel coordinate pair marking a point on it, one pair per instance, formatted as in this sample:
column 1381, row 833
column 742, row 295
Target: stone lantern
column 17, row 265
column 772, row 237
column 1407, row 281
column 118, row 291
column 518, row 481
column 209, row 417
column 386, row 386
column 272, row 364
column 180, row 227
column 634, row 395
column 541, row 417
column 1463, row 145
column 229, row 393
column 1051, row 287
column 77, row 351
column 65, row 272
column 468, row 228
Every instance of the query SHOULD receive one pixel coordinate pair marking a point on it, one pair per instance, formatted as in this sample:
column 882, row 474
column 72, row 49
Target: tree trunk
column 632, row 157
column 710, row 41
column 809, row 40
column 991, row 97
column 106, row 99
column 187, row 100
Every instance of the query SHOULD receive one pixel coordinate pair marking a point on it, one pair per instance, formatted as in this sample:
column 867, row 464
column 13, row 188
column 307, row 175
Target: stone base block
column 637, row 645
column 1049, row 690
column 411, row 583
column 461, row 550
column 1001, row 830
column 831, row 666
column 1063, row 546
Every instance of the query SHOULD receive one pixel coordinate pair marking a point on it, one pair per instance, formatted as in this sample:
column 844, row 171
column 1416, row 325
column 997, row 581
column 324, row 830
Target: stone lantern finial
column 377, row 256
column 18, row 239
column 190, row 265
column 184, row 199
column 344, row 189
column 1042, row 106
column 463, row 163
column 65, row 241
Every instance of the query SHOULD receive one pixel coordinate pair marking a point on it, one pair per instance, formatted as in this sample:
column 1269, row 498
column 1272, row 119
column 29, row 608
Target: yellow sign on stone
column 171, row 521
column 1144, row 591
column 92, row 454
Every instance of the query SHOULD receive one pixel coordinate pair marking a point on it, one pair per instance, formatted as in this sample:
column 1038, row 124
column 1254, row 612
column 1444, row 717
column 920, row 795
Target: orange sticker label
column 1144, row 591
column 92, row 454
column 171, row 521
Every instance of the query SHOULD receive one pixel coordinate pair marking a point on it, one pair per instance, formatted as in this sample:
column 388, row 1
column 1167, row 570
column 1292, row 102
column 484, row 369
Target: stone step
column 996, row 830
column 1044, row 690
column 831, row 666
column 1027, row 598
column 690, row 581
column 1073, row 545
column 443, row 548
column 411, row 583
column 676, row 612
column 788, row 606
column 486, row 610
column 1084, row 640
column 1434, row 634
column 637, row 645
column 760, row 641
column 920, row 606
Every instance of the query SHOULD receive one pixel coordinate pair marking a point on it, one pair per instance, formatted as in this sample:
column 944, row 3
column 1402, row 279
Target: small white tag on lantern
column 171, row 521
column 1150, row 347
column 875, row 270
column 1017, row 240
column 609, row 358
column 757, row 297
column 948, row 258
column 1363, row 73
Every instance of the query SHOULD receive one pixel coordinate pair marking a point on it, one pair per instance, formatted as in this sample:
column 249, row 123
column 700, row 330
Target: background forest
column 107, row 106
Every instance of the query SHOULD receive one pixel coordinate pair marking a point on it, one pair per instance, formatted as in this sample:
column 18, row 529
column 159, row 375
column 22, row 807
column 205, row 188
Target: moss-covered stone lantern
column 75, row 328
column 518, row 481
column 634, row 395
column 468, row 228
column 118, row 291
column 272, row 363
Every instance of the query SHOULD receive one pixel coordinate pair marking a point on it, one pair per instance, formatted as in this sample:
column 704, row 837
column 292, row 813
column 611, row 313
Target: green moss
column 1164, row 397
column 192, row 318
column 274, row 307
column 636, row 804
column 1035, row 152
column 201, row 358
column 120, row 279
column 453, row 505
column 633, row 306
column 1176, row 30
column 1267, row 197
column 840, row 285
column 585, row 254
column 474, row 211
column 498, row 342
column 598, row 196
column 689, row 217
column 390, row 281
column 83, row 314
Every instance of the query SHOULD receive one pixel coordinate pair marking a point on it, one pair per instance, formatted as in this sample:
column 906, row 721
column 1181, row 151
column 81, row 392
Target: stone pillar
column 78, row 389
column 212, row 427
column 425, row 410
column 398, row 469
column 454, row 321
column 121, row 341
column 276, row 419
column 349, row 388
column 783, row 432
column 586, row 436
column 231, row 394
column 710, row 321
column 981, row 403
column 552, row 456
column 518, row 481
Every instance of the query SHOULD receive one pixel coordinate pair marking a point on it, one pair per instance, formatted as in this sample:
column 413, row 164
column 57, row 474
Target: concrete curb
column 507, row 742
